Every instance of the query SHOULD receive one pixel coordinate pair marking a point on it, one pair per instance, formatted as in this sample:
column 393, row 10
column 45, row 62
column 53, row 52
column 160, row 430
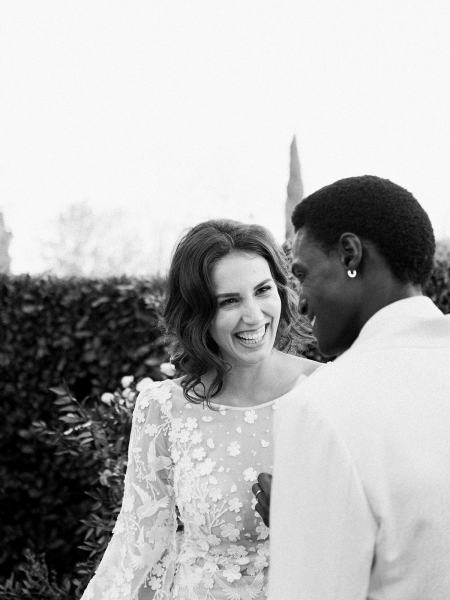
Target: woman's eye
column 265, row 288
column 227, row 301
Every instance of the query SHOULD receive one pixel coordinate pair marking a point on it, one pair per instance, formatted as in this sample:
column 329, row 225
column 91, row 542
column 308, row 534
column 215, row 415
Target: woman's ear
column 350, row 251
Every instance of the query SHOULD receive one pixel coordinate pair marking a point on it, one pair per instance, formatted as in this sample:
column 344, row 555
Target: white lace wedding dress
column 204, row 462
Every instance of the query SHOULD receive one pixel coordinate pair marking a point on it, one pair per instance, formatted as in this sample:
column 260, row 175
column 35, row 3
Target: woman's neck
column 252, row 384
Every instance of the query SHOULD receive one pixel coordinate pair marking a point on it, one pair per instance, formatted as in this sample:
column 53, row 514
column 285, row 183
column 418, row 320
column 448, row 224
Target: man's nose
column 303, row 307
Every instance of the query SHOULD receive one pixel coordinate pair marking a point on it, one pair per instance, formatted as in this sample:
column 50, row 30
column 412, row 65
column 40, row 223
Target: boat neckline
column 222, row 407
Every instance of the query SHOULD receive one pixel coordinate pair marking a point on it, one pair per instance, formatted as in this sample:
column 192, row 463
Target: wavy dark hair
column 191, row 304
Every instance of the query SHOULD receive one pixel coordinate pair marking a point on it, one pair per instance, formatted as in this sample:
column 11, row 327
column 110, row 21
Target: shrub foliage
column 85, row 334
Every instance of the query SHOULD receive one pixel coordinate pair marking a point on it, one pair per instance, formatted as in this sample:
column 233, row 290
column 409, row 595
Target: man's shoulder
column 344, row 373
column 361, row 383
column 433, row 332
column 425, row 329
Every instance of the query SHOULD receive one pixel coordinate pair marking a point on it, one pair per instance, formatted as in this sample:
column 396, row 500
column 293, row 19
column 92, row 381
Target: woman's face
column 248, row 308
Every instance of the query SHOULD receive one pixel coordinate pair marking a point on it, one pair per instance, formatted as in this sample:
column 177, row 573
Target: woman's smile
column 252, row 337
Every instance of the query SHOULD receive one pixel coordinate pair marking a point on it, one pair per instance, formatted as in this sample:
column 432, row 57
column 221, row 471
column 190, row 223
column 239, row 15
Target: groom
column 360, row 505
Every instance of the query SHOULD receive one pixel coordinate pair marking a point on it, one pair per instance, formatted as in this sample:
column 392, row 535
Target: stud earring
column 351, row 273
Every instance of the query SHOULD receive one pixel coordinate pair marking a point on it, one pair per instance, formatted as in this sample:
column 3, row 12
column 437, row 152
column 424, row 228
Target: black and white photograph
column 224, row 300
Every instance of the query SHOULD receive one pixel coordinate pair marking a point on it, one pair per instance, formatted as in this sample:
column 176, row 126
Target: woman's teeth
column 252, row 337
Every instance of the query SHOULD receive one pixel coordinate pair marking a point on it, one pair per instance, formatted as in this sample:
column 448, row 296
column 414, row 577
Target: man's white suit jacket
column 360, row 502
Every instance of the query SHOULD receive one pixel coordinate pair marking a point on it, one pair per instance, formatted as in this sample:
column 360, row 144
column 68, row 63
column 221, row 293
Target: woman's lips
column 252, row 337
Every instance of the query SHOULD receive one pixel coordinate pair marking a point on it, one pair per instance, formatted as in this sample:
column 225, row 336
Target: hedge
column 438, row 286
column 87, row 334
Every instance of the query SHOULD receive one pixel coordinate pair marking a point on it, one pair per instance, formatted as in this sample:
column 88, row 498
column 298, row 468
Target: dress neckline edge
column 263, row 404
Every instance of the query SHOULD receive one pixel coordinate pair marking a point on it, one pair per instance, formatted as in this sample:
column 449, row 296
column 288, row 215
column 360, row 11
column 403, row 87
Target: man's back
column 369, row 442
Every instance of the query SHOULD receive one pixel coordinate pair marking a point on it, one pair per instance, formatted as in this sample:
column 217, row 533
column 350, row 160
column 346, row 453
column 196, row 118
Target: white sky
column 181, row 110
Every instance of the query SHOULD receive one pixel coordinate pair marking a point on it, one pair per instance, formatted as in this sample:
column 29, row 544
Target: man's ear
column 350, row 250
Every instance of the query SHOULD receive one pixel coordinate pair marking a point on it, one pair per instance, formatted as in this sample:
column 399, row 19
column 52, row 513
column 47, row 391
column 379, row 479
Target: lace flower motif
column 206, row 467
column 250, row 416
column 232, row 573
column 234, row 449
column 151, row 430
column 229, row 531
column 263, row 531
column 250, row 474
column 234, row 504
column 198, row 453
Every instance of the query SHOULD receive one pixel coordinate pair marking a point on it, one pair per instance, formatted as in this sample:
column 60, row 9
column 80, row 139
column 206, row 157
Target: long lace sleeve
column 138, row 563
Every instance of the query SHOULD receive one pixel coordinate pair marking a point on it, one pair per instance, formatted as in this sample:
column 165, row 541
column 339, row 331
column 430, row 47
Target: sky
column 176, row 111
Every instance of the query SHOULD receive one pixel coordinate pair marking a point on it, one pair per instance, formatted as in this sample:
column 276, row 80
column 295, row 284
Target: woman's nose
column 251, row 312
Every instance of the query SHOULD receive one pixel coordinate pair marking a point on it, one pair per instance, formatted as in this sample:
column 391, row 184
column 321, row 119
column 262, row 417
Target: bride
column 198, row 443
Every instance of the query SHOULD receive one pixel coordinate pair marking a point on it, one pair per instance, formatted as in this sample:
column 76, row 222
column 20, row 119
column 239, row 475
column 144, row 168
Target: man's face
column 328, row 297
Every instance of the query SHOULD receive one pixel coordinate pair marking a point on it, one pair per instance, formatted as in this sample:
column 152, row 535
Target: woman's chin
column 253, row 355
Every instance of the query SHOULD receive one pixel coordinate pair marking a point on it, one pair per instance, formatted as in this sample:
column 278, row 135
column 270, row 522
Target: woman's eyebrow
column 263, row 282
column 232, row 294
column 227, row 295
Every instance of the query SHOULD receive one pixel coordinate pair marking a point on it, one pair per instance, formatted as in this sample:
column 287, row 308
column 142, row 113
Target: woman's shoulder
column 152, row 387
column 158, row 396
column 290, row 370
column 299, row 365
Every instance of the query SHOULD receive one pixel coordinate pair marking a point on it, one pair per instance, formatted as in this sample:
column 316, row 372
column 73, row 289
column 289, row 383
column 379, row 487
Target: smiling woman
column 224, row 272
column 246, row 320
column 199, row 442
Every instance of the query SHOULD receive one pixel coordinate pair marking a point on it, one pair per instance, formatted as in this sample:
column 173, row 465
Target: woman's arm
column 139, row 560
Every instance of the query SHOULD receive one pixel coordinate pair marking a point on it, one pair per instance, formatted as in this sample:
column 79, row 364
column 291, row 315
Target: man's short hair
column 376, row 210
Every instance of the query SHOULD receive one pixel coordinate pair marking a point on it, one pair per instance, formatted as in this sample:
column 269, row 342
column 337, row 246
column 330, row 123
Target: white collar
column 397, row 315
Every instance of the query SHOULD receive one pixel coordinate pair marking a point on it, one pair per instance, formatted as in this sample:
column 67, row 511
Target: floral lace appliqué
column 184, row 459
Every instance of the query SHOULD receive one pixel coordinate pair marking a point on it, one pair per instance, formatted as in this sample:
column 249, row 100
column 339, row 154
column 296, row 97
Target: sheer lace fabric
column 204, row 462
